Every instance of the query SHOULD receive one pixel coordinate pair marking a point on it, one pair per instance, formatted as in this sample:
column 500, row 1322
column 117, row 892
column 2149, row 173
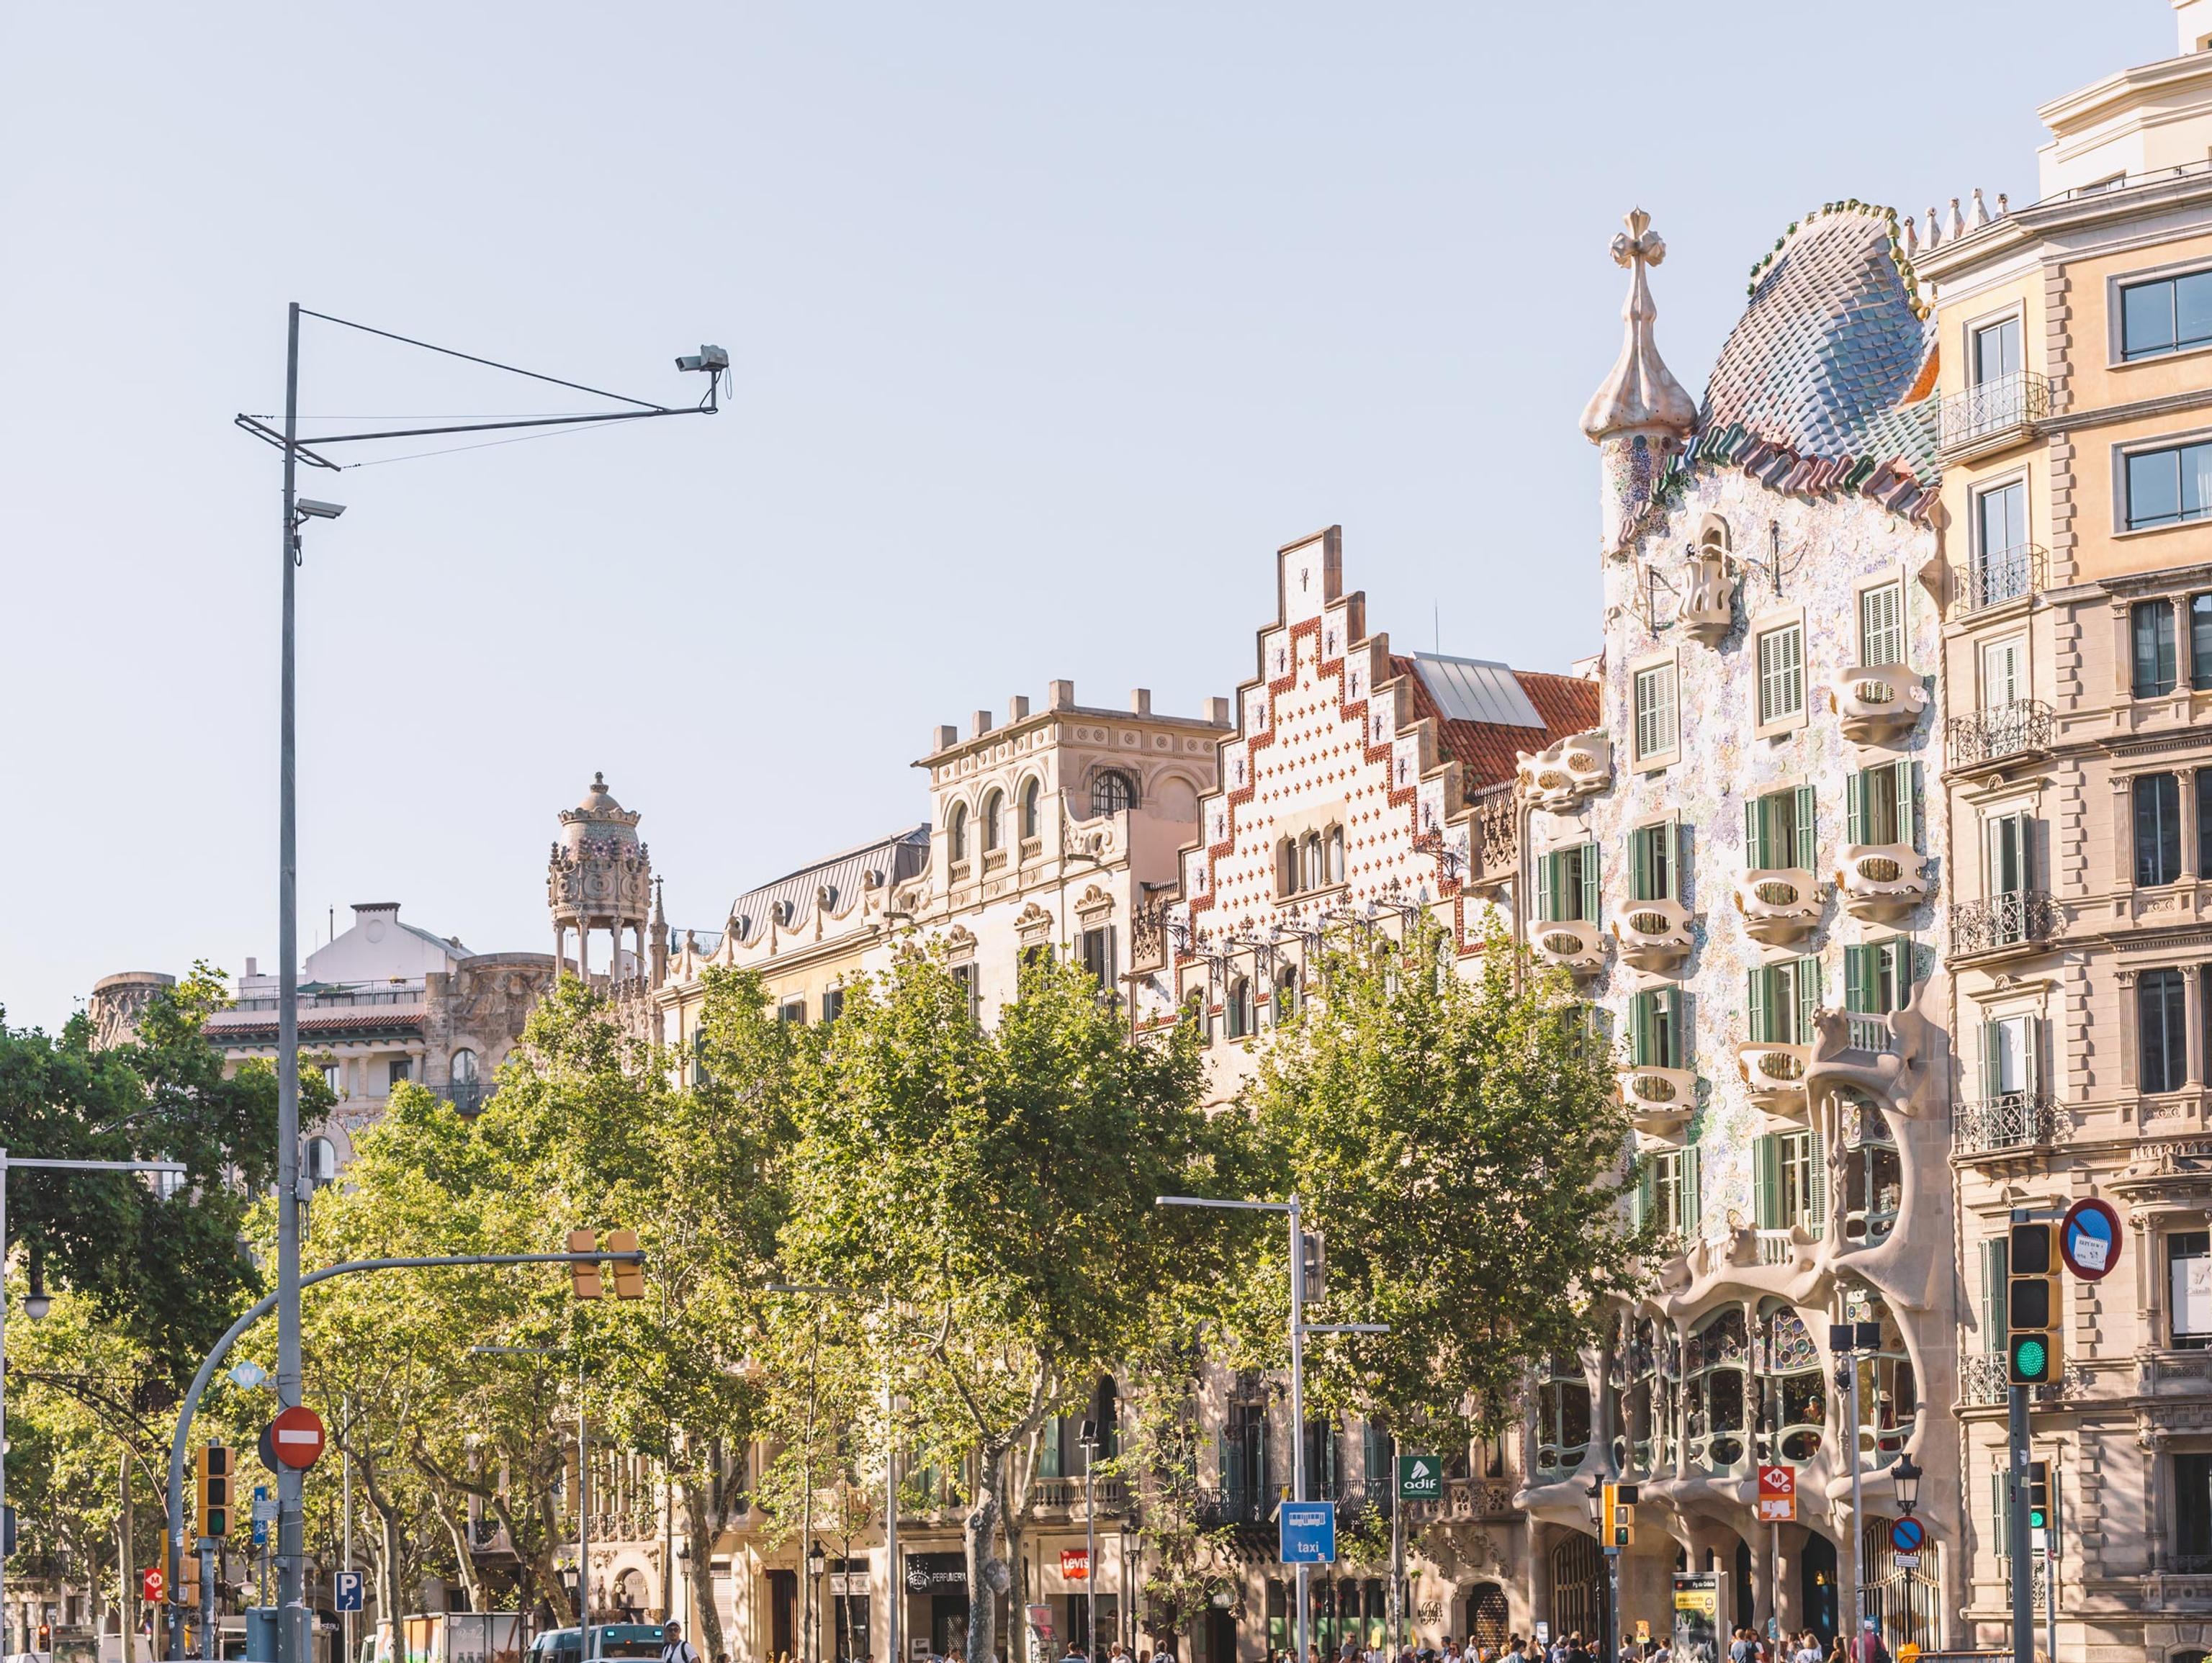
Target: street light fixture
column 1904, row 1477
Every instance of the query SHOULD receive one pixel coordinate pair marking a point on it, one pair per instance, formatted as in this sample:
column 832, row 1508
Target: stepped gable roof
column 1489, row 751
column 1823, row 384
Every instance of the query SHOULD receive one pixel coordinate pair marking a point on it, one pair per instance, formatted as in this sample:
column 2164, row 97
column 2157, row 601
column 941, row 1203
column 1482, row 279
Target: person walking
column 674, row 1647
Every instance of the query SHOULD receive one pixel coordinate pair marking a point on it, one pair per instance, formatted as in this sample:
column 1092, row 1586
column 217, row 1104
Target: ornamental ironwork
column 2015, row 918
column 1999, row 575
column 1990, row 736
column 2016, row 1120
column 1994, row 409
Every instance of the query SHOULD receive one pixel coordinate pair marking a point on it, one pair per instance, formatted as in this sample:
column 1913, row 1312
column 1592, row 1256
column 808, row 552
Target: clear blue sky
column 1050, row 322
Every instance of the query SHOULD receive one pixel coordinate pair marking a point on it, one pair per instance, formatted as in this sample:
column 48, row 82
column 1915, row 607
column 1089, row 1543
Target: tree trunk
column 702, row 1523
column 987, row 1574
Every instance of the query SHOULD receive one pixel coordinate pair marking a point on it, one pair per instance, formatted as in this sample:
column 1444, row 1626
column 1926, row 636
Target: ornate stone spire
column 1641, row 394
column 1641, row 415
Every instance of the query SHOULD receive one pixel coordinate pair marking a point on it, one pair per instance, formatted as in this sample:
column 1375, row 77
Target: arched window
column 1563, row 1417
column 463, row 1070
column 1336, row 854
column 957, row 832
column 1287, row 867
column 1239, row 1015
column 1112, row 791
column 994, row 813
column 1310, row 875
column 322, row 1162
column 1795, row 1389
column 1032, row 811
column 1714, row 1400
column 1286, row 994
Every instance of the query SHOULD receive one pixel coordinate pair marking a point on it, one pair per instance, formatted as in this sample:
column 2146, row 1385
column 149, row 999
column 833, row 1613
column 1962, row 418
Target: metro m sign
column 1778, row 1495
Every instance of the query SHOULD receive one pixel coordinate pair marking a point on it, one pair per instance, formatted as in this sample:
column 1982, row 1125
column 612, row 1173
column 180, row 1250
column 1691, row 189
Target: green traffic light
column 2031, row 1359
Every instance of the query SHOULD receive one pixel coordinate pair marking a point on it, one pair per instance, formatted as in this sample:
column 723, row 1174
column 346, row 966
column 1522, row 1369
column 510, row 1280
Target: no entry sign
column 2089, row 1239
column 296, row 1435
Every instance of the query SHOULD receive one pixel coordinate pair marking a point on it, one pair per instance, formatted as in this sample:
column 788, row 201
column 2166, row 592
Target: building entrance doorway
column 1816, row 1586
column 1577, row 1585
column 783, row 1612
column 1486, row 1616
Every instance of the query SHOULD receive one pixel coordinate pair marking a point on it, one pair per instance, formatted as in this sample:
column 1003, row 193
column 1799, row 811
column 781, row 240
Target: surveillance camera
column 689, row 363
column 314, row 510
column 709, row 358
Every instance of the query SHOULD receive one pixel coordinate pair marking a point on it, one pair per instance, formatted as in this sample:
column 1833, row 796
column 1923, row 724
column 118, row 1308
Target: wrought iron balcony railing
column 1990, row 736
column 468, row 1097
column 1994, row 410
column 2016, row 1120
column 1999, row 575
column 2018, row 918
column 2009, row 1122
column 1985, row 1384
column 1243, row 1506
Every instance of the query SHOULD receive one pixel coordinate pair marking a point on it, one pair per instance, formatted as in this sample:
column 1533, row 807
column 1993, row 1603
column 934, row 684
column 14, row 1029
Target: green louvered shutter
column 1754, row 835
column 1639, row 1030
column 1640, row 877
column 1997, row 1254
column 1992, row 1060
column 1547, row 889
column 1908, row 803
column 1854, row 816
column 1589, row 884
column 1755, row 1007
column 1646, row 1197
column 1766, row 1182
column 1808, row 999
column 1668, row 1028
column 1817, row 1184
column 1670, row 843
column 1807, row 851
column 1693, row 1203
column 1859, row 979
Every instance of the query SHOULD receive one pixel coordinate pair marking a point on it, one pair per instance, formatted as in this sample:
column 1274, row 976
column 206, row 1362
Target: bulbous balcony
column 1573, row 943
column 1781, row 905
column 1883, row 882
column 1653, row 935
column 1560, row 775
column 1660, row 1101
column 1877, row 703
column 1774, row 1076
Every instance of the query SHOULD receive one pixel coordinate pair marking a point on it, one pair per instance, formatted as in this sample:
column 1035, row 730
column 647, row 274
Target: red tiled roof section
column 246, row 1025
column 1488, row 751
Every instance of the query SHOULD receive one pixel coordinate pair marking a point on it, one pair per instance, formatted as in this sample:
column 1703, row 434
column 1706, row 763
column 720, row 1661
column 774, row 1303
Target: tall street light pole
column 1299, row 1329
column 293, row 1634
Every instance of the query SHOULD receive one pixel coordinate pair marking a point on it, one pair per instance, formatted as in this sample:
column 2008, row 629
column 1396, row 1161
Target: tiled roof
column 260, row 1028
column 1809, row 392
column 797, row 894
column 1487, row 752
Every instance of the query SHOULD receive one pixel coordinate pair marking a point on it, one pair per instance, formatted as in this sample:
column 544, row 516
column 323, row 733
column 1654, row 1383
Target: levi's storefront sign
column 1075, row 1565
column 936, row 1573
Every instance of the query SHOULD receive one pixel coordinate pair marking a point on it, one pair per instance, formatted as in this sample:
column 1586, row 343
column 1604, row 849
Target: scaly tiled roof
column 1814, row 393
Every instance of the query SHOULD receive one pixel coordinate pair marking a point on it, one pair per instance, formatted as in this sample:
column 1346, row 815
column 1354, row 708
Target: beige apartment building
column 2076, row 341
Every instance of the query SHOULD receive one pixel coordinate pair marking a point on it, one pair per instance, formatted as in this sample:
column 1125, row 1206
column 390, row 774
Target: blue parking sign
column 1308, row 1533
column 346, row 1585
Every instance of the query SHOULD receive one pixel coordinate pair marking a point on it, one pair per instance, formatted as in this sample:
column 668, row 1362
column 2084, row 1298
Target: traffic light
column 630, row 1278
column 2039, row 1505
column 187, row 1591
column 1313, row 1267
column 584, row 1273
column 1618, row 1503
column 2032, row 1334
column 213, row 1469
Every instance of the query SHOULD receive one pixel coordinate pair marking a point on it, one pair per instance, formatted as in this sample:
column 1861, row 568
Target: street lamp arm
column 1210, row 1201
column 267, row 1303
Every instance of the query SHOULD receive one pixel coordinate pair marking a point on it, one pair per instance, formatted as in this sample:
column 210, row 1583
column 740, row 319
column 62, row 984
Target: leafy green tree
column 998, row 1186
column 1458, row 1144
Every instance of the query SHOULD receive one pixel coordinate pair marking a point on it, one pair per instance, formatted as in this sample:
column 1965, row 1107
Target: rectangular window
column 2010, row 846
column 2004, row 673
column 1651, row 865
column 1881, row 625
column 2189, row 1280
column 1779, row 831
column 2192, row 1513
column 2170, row 315
column 1781, row 674
column 1877, row 980
column 2012, row 1056
column 792, row 1013
column 1098, row 955
column 1881, row 805
column 1667, row 1191
column 398, row 1072
column 2150, row 625
column 2200, row 641
column 1566, row 888
column 1781, row 999
column 2204, row 822
column 1790, row 1181
column 2162, row 1026
column 2169, row 487
column 334, row 1078
column 1997, row 351
column 971, row 985
column 2157, row 830
column 1654, row 1029
column 833, row 1004
column 1654, row 712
